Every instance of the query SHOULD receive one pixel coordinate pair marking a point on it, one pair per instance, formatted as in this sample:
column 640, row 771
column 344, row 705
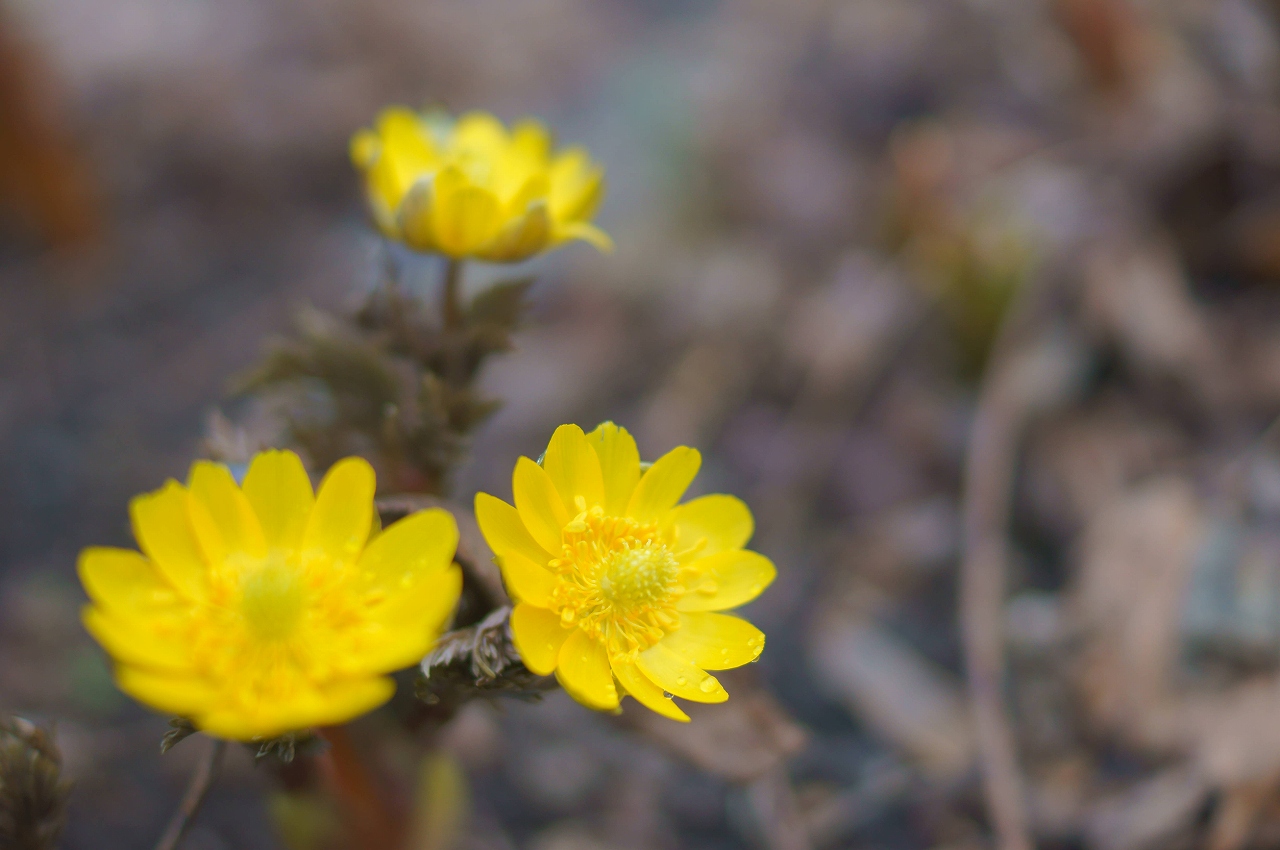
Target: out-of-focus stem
column 201, row 781
column 451, row 304
column 1004, row 409
column 369, row 813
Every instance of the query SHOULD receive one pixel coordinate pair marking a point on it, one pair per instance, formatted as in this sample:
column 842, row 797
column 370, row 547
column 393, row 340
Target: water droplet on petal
column 681, row 680
column 708, row 685
column 668, row 694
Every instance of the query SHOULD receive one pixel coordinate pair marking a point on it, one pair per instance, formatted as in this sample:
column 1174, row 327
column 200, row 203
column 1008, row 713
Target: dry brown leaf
column 1136, row 558
column 1138, row 294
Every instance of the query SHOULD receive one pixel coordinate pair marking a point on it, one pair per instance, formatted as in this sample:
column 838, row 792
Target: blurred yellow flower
column 616, row 585
column 472, row 188
column 263, row 609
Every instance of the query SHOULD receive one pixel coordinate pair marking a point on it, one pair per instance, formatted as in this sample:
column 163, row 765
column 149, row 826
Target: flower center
column 638, row 575
column 618, row 581
column 272, row 600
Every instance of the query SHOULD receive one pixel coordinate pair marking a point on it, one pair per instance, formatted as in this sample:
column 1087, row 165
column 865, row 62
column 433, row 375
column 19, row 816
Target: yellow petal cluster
column 472, row 188
column 617, row 586
column 259, row 609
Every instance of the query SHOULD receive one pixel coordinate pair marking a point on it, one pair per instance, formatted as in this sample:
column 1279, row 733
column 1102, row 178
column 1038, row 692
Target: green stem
column 451, row 305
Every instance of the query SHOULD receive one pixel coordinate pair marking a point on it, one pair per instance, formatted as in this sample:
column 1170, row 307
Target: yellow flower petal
column 471, row 188
column 710, row 524
column 538, row 637
column 727, row 580
column 532, row 140
column 522, row 236
column 184, row 695
column 664, row 483
column 410, row 622
column 162, row 529
column 479, row 131
column 384, row 193
column 577, row 187
column 135, row 642
column 715, row 641
column 279, row 490
column 415, row 220
column 213, row 495
column 505, row 531
column 574, row 468
column 619, row 465
column 343, row 514
column 583, row 670
column 532, row 190
column 123, row 581
column 589, row 233
column 364, row 148
column 275, row 639
column 410, row 551
column 539, row 504
column 677, row 675
column 335, row 703
column 340, row 701
column 644, row 690
column 465, row 217
column 407, row 149
column 525, row 580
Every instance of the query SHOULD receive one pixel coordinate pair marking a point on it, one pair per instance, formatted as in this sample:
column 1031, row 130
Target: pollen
column 619, row 581
column 638, row 575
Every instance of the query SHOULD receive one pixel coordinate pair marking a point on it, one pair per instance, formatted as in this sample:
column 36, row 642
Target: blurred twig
column 201, row 781
column 1019, row 381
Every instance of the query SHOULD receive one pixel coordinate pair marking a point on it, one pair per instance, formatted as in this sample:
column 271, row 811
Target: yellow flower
column 473, row 188
column 262, row 609
column 616, row 585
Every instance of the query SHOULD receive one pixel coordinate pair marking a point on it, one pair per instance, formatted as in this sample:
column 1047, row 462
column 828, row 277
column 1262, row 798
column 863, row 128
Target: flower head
column 473, row 188
column 617, row 585
column 264, row 608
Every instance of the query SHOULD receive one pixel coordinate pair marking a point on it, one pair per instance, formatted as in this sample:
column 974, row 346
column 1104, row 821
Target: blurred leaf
column 304, row 821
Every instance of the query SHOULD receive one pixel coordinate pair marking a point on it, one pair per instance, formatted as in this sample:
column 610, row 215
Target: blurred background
column 852, row 235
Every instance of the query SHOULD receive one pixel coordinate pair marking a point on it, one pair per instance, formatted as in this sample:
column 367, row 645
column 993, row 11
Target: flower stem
column 451, row 306
column 201, row 781
column 370, row 813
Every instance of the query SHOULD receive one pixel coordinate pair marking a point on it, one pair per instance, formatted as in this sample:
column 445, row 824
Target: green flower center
column 638, row 574
column 272, row 600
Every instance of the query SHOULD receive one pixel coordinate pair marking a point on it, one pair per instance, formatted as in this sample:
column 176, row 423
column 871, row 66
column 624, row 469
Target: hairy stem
column 201, row 781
